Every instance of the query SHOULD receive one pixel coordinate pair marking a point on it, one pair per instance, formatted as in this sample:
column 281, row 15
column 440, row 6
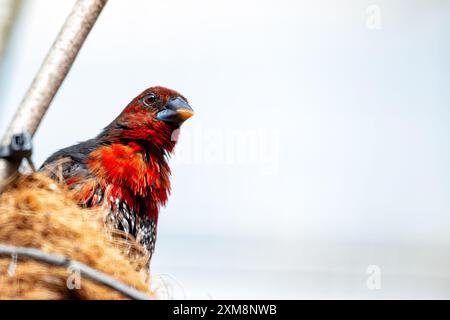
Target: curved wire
column 85, row 270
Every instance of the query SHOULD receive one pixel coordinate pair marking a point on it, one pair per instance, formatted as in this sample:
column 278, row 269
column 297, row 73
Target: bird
column 125, row 169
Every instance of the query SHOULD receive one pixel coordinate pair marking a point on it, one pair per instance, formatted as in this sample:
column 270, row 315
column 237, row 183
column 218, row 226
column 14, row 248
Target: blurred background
column 317, row 164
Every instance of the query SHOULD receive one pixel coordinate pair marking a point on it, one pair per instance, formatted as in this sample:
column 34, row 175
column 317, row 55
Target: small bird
column 125, row 168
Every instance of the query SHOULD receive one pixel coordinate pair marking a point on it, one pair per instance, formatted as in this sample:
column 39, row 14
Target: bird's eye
column 149, row 99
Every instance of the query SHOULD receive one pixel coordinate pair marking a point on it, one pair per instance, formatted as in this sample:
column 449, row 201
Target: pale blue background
column 353, row 166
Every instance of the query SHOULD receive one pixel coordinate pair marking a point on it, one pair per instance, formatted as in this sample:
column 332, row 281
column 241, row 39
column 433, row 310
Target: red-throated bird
column 125, row 167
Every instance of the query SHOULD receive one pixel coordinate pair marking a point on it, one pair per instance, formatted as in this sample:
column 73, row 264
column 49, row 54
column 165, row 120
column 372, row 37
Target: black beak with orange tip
column 176, row 111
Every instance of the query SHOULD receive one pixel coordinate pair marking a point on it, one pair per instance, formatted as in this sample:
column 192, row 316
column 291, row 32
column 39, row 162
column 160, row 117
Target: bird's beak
column 176, row 111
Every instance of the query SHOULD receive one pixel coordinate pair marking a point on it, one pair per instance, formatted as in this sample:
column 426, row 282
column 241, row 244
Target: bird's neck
column 158, row 138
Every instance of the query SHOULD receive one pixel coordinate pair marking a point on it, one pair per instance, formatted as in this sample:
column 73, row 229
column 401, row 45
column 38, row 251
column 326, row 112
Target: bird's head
column 152, row 116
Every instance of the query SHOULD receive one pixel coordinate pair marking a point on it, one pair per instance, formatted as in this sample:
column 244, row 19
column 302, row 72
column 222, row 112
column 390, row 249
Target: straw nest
column 36, row 212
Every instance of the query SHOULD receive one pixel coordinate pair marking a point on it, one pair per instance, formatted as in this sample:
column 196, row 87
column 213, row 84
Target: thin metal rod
column 51, row 74
column 85, row 270
column 8, row 13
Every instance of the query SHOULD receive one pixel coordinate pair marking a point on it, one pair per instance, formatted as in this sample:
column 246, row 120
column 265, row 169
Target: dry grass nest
column 39, row 213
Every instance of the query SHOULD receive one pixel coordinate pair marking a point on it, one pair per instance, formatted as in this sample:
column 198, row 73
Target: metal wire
column 8, row 13
column 85, row 270
column 51, row 75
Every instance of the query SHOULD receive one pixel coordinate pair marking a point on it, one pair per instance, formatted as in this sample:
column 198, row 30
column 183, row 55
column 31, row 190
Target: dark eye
column 149, row 99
